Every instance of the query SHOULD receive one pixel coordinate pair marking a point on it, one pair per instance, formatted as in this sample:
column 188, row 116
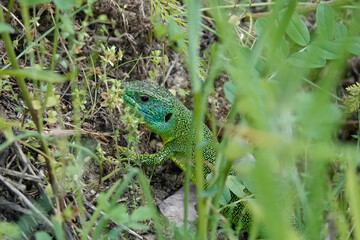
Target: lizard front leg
column 156, row 159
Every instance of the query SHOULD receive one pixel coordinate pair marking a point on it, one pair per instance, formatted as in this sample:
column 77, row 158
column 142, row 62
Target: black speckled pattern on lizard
column 166, row 116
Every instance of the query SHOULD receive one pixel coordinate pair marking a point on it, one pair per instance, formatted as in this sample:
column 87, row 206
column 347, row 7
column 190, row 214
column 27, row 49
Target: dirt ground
column 132, row 21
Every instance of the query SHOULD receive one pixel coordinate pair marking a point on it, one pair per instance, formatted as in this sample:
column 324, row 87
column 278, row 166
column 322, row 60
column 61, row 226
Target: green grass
column 304, row 183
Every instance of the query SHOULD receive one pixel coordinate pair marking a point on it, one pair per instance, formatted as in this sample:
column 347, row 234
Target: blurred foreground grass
column 284, row 81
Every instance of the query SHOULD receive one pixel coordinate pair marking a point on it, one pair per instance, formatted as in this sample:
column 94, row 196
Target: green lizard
column 166, row 116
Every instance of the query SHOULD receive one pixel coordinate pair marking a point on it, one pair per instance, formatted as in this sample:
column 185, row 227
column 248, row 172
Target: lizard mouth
column 148, row 114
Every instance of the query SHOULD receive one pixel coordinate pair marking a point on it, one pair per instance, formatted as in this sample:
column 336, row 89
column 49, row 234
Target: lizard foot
column 129, row 154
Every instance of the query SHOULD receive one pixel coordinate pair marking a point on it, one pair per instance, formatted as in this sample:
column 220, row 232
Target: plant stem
column 194, row 20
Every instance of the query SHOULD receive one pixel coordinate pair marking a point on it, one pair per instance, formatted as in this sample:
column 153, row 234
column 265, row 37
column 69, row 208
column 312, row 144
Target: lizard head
column 157, row 105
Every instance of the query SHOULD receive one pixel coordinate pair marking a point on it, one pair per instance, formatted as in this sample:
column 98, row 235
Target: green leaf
column 352, row 193
column 297, row 30
column 52, row 116
column 229, row 91
column 210, row 192
column 176, row 33
column 160, row 30
column 137, row 226
column 65, row 4
column 317, row 120
column 6, row 28
column 36, row 104
column 58, row 230
column 325, row 49
column 244, row 171
column 141, row 213
column 306, row 60
column 102, row 202
column 225, row 196
column 325, row 21
column 39, row 75
column 67, row 25
column 283, row 47
column 8, row 133
column 340, row 31
column 52, row 101
column 42, row 236
column 260, row 26
column 353, row 45
column 115, row 233
column 119, row 213
column 235, row 186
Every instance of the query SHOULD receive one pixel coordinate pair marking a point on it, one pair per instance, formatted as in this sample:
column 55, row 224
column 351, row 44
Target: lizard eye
column 144, row 98
column 167, row 117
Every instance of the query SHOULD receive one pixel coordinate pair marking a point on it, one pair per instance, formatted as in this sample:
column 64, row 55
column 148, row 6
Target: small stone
column 173, row 207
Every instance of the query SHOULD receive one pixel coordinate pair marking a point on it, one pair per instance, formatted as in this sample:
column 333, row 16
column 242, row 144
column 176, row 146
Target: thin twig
column 171, row 68
column 23, row 158
column 20, row 175
column 4, row 204
column 21, row 187
column 87, row 203
column 16, row 19
column 26, row 201
column 26, row 164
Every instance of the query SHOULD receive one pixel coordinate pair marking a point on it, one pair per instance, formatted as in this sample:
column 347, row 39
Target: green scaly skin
column 166, row 116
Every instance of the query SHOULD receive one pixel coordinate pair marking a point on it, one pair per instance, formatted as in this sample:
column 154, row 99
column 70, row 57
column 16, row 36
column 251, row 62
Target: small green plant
column 352, row 100
column 112, row 98
column 111, row 56
column 168, row 9
column 131, row 122
column 183, row 93
column 80, row 98
column 352, row 105
column 160, row 65
column 4, row 86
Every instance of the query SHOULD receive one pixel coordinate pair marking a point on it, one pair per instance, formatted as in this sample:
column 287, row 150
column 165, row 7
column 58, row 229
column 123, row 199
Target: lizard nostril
column 144, row 98
column 167, row 117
